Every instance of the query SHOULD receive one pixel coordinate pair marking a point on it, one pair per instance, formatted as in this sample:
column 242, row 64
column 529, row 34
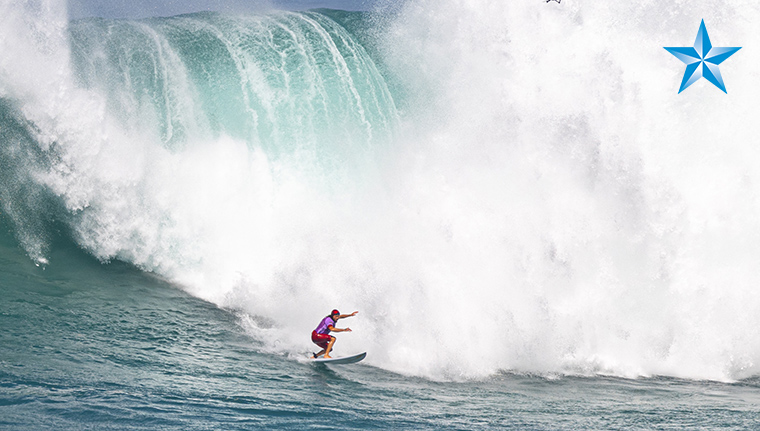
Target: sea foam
column 535, row 196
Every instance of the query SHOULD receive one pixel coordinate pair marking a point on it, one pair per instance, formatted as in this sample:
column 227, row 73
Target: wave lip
column 283, row 82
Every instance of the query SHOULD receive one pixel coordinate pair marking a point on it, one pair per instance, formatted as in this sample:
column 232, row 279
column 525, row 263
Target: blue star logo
column 702, row 60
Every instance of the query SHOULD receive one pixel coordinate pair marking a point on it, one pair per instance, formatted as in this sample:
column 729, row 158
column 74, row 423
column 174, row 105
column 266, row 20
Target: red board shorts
column 320, row 340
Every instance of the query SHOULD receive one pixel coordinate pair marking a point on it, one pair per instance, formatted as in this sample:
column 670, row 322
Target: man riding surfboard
column 321, row 336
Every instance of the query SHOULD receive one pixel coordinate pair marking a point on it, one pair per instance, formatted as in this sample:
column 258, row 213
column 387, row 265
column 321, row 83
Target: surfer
column 321, row 336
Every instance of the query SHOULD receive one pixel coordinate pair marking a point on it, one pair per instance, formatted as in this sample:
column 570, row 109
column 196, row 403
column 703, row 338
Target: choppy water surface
column 86, row 346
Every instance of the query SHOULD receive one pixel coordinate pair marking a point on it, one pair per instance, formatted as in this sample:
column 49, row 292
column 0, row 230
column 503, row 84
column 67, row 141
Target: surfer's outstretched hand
column 354, row 313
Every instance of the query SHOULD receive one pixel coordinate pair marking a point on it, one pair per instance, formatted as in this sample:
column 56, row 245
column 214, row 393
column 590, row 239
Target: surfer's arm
column 342, row 316
column 334, row 329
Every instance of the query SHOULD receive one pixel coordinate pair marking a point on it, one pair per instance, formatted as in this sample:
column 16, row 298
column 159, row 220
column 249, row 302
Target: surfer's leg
column 321, row 340
column 323, row 345
column 329, row 346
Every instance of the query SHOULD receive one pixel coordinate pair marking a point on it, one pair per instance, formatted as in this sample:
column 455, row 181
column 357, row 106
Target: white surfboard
column 342, row 360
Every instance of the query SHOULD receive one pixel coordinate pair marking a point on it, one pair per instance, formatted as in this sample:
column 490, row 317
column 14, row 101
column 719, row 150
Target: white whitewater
column 544, row 200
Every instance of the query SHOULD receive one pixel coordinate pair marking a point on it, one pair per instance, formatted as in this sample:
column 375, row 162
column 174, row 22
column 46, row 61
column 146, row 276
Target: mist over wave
column 534, row 196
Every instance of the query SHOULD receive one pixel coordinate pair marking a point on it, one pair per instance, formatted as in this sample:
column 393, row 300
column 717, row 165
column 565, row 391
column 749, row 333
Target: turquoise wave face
column 25, row 202
column 113, row 95
column 284, row 82
column 544, row 176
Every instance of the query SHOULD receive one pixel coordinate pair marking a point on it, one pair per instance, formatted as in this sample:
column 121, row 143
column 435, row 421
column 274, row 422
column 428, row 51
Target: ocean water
column 88, row 346
column 537, row 230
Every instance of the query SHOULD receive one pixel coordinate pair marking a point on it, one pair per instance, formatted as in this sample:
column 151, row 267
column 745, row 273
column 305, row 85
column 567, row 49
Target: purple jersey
column 323, row 327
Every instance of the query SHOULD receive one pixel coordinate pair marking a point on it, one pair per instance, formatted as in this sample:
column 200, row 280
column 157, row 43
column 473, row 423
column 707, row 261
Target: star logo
column 702, row 60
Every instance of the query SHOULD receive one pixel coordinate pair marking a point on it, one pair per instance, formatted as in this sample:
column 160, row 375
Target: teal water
column 92, row 346
column 284, row 81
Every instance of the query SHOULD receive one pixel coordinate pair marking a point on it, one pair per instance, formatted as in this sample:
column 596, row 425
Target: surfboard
column 342, row 360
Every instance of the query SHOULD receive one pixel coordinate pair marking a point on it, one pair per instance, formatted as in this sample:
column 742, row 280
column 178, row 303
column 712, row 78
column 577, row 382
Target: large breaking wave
column 534, row 195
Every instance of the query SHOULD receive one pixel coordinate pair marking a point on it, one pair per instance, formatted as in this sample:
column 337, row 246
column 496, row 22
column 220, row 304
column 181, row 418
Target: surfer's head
column 335, row 313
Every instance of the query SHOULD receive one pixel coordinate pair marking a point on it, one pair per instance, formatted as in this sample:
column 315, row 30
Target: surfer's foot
column 328, row 357
column 313, row 356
